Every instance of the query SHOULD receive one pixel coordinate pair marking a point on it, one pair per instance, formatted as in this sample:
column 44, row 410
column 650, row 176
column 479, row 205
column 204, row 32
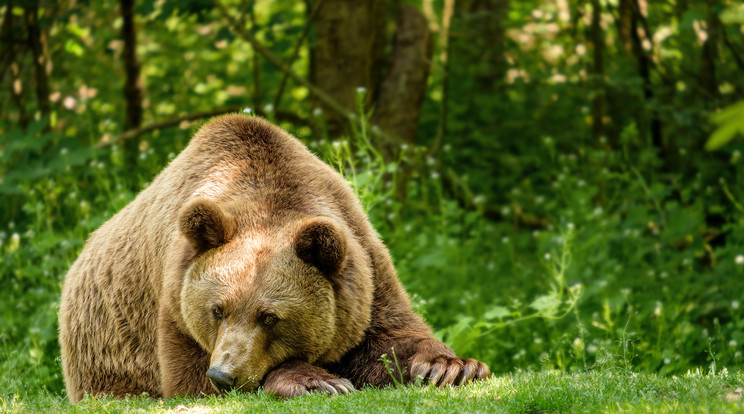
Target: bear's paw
column 297, row 379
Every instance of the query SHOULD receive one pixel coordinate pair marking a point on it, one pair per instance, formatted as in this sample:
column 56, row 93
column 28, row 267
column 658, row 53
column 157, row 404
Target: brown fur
column 249, row 256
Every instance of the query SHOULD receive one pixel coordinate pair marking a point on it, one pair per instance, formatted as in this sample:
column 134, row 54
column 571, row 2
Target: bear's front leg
column 294, row 378
column 183, row 363
column 410, row 355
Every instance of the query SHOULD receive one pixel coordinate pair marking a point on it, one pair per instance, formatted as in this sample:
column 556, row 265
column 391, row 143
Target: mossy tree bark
column 348, row 52
column 12, row 37
column 710, row 50
column 632, row 23
column 133, row 83
column 597, row 71
column 36, row 45
column 402, row 91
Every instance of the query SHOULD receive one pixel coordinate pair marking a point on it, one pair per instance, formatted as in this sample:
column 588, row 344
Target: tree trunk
column 626, row 24
column 710, row 51
column 256, row 64
column 31, row 14
column 348, row 53
column 644, row 70
column 402, row 91
column 10, row 63
column 133, row 84
column 597, row 72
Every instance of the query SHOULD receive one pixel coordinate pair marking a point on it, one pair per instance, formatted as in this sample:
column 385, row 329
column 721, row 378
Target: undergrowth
column 622, row 273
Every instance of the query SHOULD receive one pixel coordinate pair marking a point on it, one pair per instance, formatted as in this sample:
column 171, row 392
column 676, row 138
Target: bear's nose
column 221, row 380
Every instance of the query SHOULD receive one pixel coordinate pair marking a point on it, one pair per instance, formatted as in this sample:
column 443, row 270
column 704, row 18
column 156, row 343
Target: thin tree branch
column 136, row 132
column 296, row 51
column 737, row 58
column 279, row 64
column 168, row 123
column 274, row 60
column 660, row 68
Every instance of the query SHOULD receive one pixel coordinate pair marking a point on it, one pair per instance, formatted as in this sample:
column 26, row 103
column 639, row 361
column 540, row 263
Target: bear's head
column 261, row 291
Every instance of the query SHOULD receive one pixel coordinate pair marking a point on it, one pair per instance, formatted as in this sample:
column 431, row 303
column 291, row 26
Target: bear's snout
column 220, row 380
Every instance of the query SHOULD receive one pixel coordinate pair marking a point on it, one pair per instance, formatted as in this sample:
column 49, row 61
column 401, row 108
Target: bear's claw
column 333, row 386
column 444, row 370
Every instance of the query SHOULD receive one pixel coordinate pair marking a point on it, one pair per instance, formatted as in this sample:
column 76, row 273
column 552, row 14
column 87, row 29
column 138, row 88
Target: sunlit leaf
column 546, row 302
column 74, row 48
column 730, row 123
column 733, row 15
column 496, row 312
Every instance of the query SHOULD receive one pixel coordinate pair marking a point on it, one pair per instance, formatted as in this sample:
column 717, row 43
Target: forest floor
column 522, row 392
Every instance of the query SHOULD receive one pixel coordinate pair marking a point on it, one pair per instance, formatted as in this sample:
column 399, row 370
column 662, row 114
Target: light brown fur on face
column 246, row 262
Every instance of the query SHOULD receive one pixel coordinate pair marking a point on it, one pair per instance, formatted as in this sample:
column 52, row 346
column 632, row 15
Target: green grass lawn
column 523, row 392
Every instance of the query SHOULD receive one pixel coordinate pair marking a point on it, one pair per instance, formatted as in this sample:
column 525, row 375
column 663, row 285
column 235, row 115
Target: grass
column 522, row 392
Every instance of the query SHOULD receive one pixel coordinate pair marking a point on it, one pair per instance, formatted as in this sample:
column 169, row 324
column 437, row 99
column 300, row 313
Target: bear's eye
column 269, row 319
column 218, row 313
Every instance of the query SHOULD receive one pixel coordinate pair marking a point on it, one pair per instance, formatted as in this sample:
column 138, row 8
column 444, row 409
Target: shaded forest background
column 537, row 168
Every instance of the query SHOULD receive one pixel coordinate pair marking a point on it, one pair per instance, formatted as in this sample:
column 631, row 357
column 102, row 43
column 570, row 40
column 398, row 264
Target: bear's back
column 253, row 159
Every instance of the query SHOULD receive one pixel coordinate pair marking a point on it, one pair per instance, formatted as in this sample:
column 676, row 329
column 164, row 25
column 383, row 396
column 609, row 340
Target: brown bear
column 247, row 262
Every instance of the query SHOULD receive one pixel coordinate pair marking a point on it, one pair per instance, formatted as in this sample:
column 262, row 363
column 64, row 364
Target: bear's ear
column 205, row 225
column 320, row 242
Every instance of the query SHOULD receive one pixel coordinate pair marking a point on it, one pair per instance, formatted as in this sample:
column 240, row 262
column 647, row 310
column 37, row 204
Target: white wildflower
column 15, row 242
column 69, row 103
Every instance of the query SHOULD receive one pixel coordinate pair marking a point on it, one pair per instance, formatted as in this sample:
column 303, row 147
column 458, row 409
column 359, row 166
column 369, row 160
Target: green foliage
column 730, row 123
column 733, row 14
column 394, row 369
column 549, row 306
